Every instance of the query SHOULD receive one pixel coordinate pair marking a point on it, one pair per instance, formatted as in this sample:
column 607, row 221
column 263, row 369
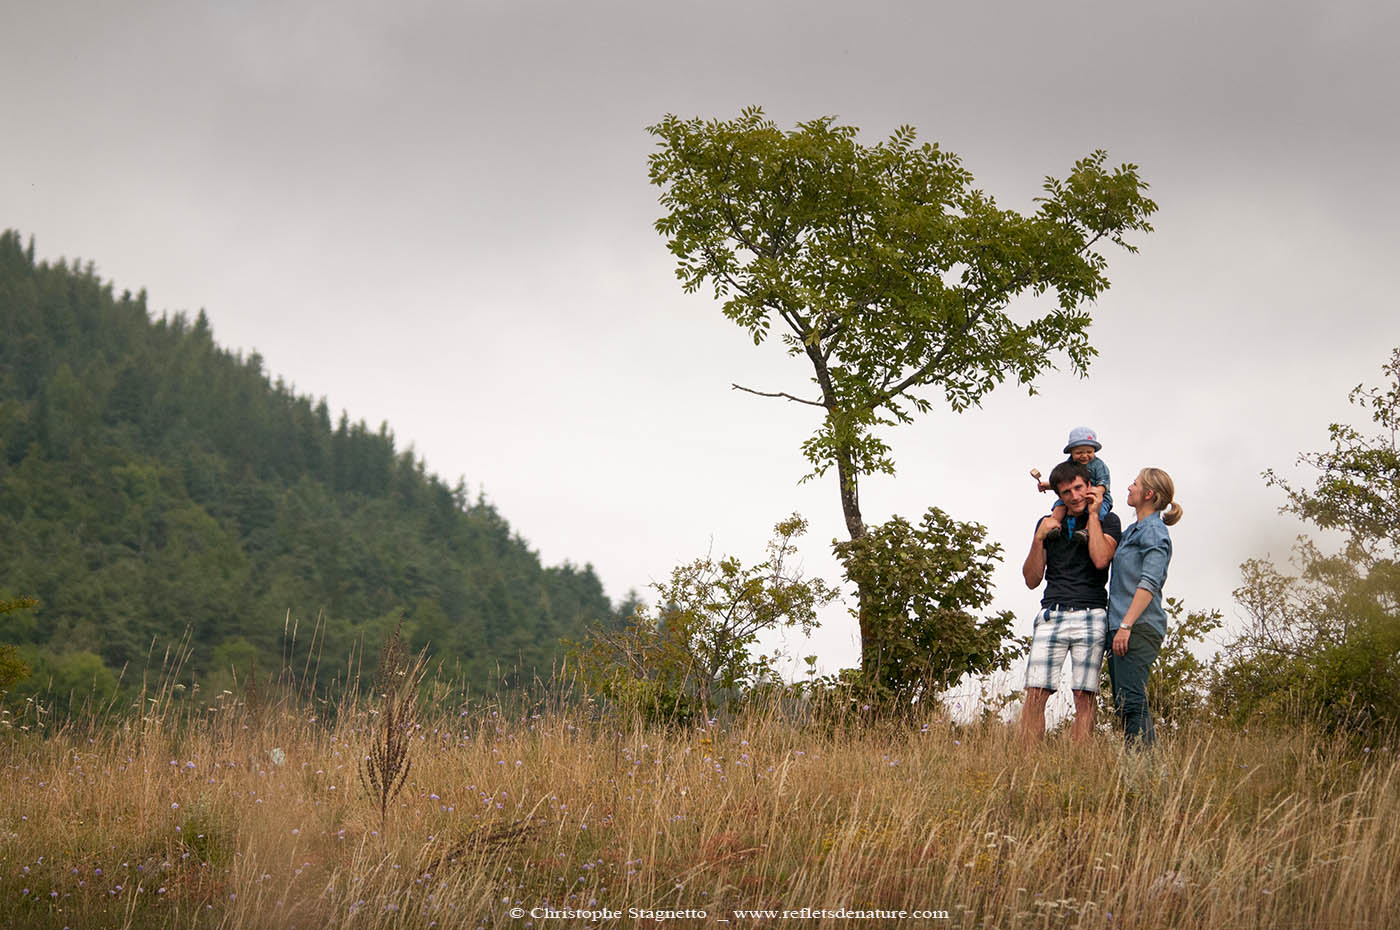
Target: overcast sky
column 438, row 215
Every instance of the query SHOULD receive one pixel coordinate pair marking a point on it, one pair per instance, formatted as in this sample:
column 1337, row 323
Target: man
column 1073, row 617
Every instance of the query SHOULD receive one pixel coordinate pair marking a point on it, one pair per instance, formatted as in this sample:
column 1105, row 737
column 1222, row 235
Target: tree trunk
column 850, row 508
column 849, row 478
column 850, row 496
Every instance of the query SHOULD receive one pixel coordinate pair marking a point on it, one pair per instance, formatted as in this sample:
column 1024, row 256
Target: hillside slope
column 151, row 482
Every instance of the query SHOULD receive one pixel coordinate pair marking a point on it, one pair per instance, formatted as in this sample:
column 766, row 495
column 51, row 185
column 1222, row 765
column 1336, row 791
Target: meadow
column 240, row 811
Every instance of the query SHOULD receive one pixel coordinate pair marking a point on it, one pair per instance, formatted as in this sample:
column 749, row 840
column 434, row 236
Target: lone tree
column 885, row 269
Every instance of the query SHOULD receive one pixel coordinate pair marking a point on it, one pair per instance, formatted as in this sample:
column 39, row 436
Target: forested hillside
column 152, row 482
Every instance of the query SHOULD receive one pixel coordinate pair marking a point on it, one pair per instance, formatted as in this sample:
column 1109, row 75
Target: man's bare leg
column 1086, row 704
column 1033, row 715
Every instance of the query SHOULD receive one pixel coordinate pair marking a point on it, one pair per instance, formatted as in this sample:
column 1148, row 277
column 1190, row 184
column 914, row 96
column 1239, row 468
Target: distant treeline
column 152, row 483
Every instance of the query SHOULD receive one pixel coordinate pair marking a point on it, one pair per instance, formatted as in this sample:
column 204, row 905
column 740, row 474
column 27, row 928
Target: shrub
column 923, row 588
column 691, row 652
column 1325, row 644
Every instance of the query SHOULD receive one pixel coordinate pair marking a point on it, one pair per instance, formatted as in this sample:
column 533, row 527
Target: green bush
column 692, row 652
column 13, row 668
column 1324, row 645
column 923, row 587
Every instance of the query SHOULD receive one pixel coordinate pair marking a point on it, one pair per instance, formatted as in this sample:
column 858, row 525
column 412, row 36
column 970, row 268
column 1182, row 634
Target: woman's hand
column 1120, row 641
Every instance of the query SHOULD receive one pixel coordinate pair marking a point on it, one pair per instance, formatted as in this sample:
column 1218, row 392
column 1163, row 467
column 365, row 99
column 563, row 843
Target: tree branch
column 795, row 321
column 737, row 230
column 1014, row 286
column 887, row 393
column 800, row 400
column 719, row 273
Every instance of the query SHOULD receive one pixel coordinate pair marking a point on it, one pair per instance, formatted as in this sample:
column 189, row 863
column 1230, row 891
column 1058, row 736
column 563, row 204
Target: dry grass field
column 211, row 813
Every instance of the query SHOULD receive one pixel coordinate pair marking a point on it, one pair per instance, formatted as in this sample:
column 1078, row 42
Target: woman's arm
column 1141, row 598
column 1154, row 563
column 1155, row 560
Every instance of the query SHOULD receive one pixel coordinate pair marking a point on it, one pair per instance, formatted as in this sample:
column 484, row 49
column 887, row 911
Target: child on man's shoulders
column 1083, row 447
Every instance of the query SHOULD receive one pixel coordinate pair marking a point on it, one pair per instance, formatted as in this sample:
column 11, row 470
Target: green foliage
column 1324, row 644
column 693, row 649
column 65, row 681
column 886, row 270
column 883, row 266
column 923, row 588
column 232, row 661
column 13, row 668
column 1320, row 646
column 1357, row 488
column 1179, row 685
column 152, row 483
column 643, row 668
column 1179, row 688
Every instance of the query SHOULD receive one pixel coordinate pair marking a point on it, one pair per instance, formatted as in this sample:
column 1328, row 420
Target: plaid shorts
column 1080, row 633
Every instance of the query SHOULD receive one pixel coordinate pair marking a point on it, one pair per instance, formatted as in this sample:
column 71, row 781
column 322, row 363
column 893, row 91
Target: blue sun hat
column 1082, row 436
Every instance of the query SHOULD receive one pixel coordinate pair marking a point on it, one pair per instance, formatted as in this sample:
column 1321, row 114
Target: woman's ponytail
column 1163, row 490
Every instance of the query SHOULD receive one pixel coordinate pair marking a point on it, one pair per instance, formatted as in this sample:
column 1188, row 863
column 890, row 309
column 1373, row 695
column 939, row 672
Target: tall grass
column 197, row 813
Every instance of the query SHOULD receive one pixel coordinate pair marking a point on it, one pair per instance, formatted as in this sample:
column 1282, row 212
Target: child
column 1083, row 447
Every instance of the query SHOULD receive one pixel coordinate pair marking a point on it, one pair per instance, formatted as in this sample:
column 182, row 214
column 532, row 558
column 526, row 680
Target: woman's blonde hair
column 1163, row 490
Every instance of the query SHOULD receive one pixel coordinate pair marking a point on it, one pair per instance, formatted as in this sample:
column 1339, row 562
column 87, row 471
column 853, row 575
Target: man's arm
column 1034, row 568
column 1101, row 545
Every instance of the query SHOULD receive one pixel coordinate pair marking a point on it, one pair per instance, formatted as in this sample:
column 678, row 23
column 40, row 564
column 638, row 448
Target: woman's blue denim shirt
column 1140, row 561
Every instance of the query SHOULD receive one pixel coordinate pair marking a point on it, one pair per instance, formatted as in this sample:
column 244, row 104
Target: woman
column 1136, row 622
